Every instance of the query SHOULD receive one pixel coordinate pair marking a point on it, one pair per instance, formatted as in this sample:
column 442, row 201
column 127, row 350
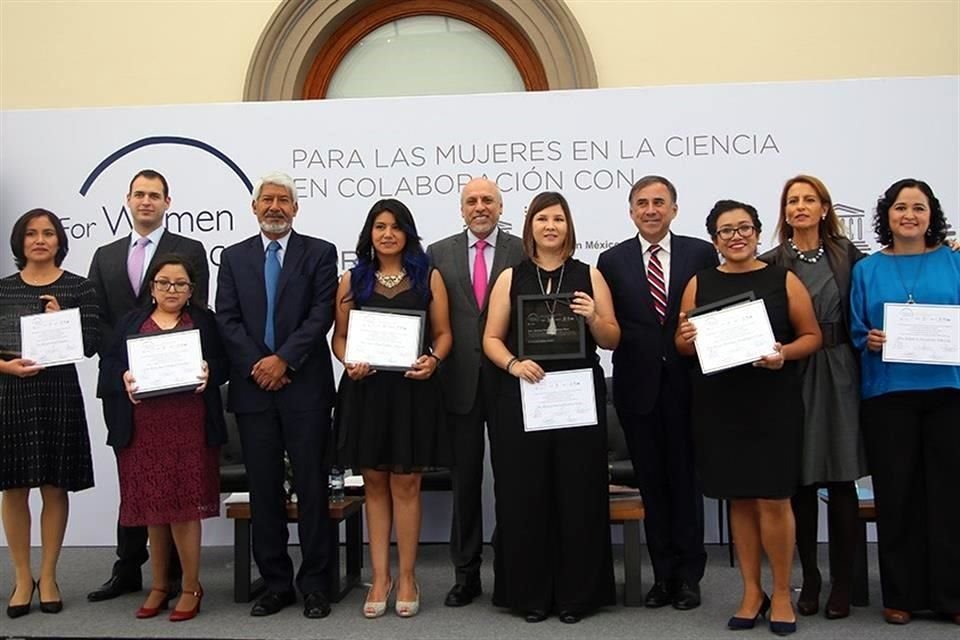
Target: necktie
column 135, row 263
column 655, row 278
column 271, row 274
column 480, row 274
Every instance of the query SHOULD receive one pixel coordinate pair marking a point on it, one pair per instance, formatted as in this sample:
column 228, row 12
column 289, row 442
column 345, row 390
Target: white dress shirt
column 663, row 256
column 283, row 246
column 148, row 250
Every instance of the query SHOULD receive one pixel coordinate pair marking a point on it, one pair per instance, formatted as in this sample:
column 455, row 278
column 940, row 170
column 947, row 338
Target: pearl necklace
column 803, row 257
column 391, row 281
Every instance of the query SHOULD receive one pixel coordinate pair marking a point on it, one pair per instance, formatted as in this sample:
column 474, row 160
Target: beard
column 275, row 226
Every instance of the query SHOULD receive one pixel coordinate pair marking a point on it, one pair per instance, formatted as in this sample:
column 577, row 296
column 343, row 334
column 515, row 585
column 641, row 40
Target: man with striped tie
column 651, row 389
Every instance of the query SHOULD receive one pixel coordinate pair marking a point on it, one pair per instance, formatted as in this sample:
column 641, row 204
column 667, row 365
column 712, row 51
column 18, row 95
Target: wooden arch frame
column 480, row 15
column 291, row 41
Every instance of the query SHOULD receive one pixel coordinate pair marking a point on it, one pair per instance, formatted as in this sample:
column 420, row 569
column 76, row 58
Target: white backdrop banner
column 713, row 142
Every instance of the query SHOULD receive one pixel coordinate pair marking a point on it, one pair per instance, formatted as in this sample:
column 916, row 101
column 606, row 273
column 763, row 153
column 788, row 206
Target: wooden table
column 350, row 511
column 629, row 512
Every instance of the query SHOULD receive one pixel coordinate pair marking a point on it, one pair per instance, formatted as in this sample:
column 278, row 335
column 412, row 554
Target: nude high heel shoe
column 374, row 609
column 409, row 608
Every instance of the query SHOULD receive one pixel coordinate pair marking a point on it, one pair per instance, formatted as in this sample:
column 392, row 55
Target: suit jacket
column 461, row 370
column 841, row 267
column 118, row 412
column 647, row 352
column 304, row 315
column 108, row 273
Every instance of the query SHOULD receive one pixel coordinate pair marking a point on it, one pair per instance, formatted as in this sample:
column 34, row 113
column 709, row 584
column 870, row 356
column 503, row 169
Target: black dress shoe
column 686, row 596
column 271, row 602
column 461, row 595
column 50, row 606
column 535, row 615
column 17, row 610
column 659, row 595
column 570, row 617
column 316, row 605
column 116, row 586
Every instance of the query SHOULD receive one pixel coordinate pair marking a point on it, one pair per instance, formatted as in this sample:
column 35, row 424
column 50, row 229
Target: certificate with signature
column 563, row 399
column 732, row 336
column 52, row 339
column 922, row 333
column 165, row 362
column 387, row 339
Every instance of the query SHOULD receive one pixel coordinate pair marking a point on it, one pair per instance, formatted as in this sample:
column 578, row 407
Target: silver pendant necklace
column 551, row 308
column 909, row 290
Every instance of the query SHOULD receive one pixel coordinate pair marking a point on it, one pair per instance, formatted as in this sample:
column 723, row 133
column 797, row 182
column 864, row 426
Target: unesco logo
column 853, row 223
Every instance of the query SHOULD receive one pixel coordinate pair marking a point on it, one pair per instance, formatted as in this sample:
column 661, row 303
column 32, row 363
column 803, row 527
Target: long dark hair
column 414, row 259
column 19, row 235
column 936, row 232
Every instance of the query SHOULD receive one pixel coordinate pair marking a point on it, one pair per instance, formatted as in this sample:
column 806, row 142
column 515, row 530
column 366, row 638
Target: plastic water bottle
column 336, row 484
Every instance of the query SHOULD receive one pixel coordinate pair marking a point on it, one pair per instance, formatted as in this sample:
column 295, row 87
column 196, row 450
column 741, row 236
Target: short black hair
column 646, row 181
column 150, row 174
column 175, row 259
column 722, row 207
column 936, row 232
column 19, row 235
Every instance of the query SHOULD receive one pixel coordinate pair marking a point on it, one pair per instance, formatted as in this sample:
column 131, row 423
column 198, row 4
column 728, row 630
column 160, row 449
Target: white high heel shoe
column 373, row 609
column 409, row 608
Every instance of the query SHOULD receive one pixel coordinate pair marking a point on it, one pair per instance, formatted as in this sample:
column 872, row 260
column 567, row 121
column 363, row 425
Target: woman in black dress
column 390, row 423
column 553, row 531
column 43, row 430
column 748, row 420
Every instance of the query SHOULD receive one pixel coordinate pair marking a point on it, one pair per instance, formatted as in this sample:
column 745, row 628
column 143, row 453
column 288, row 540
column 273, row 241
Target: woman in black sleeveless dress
column 553, row 532
column 748, row 420
column 390, row 424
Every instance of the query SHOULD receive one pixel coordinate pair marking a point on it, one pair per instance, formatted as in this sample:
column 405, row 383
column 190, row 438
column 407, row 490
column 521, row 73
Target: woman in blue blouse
column 909, row 410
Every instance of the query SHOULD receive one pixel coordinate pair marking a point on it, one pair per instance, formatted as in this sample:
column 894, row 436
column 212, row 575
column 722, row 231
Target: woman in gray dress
column 813, row 246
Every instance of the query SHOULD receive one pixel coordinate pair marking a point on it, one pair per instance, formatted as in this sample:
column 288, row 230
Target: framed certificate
column 729, row 336
column 386, row 339
column 562, row 400
column 10, row 313
column 165, row 362
column 547, row 329
column 52, row 339
column 922, row 333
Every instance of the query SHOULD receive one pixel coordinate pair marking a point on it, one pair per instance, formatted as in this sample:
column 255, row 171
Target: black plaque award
column 548, row 329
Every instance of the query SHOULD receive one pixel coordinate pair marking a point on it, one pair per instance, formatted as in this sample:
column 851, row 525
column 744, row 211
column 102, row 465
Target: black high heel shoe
column 809, row 601
column 17, row 610
column 742, row 624
column 51, row 606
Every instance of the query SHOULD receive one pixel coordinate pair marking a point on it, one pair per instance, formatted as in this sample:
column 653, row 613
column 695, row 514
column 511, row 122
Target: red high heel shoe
column 151, row 612
column 180, row 616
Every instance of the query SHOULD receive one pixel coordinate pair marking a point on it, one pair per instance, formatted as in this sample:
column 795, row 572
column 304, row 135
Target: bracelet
column 510, row 363
column 435, row 357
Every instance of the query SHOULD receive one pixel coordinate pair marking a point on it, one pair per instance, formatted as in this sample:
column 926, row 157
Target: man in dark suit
column 470, row 262
column 651, row 388
column 117, row 272
column 275, row 294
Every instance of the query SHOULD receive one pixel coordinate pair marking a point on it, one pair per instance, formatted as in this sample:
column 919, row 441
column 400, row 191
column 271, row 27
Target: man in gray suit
column 470, row 262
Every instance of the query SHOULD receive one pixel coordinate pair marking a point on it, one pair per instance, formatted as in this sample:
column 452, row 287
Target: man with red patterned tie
column 651, row 390
column 470, row 262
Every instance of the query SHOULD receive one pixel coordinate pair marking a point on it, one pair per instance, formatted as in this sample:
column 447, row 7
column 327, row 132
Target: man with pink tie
column 470, row 262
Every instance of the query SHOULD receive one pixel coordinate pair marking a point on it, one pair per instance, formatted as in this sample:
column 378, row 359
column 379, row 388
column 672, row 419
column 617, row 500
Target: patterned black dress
column 43, row 429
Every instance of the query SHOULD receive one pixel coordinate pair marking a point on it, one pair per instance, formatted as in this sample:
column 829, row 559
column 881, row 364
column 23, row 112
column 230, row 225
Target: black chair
column 233, row 473
column 619, row 464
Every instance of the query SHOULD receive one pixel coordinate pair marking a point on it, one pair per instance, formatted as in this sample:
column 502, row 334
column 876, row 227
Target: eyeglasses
column 166, row 285
column 745, row 231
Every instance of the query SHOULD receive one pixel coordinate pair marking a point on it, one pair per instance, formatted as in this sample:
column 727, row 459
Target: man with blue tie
column 275, row 294
column 651, row 390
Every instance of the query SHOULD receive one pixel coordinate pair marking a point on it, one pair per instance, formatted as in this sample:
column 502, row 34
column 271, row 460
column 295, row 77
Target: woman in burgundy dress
column 168, row 445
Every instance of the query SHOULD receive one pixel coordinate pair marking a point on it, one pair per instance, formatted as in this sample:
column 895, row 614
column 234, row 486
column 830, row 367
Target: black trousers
column 912, row 443
column 303, row 435
column 466, row 475
column 661, row 448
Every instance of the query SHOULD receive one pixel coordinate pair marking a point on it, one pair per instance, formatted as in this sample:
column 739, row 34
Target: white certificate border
column 751, row 359
column 883, row 353
column 565, row 425
column 417, row 314
column 153, row 337
column 56, row 363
